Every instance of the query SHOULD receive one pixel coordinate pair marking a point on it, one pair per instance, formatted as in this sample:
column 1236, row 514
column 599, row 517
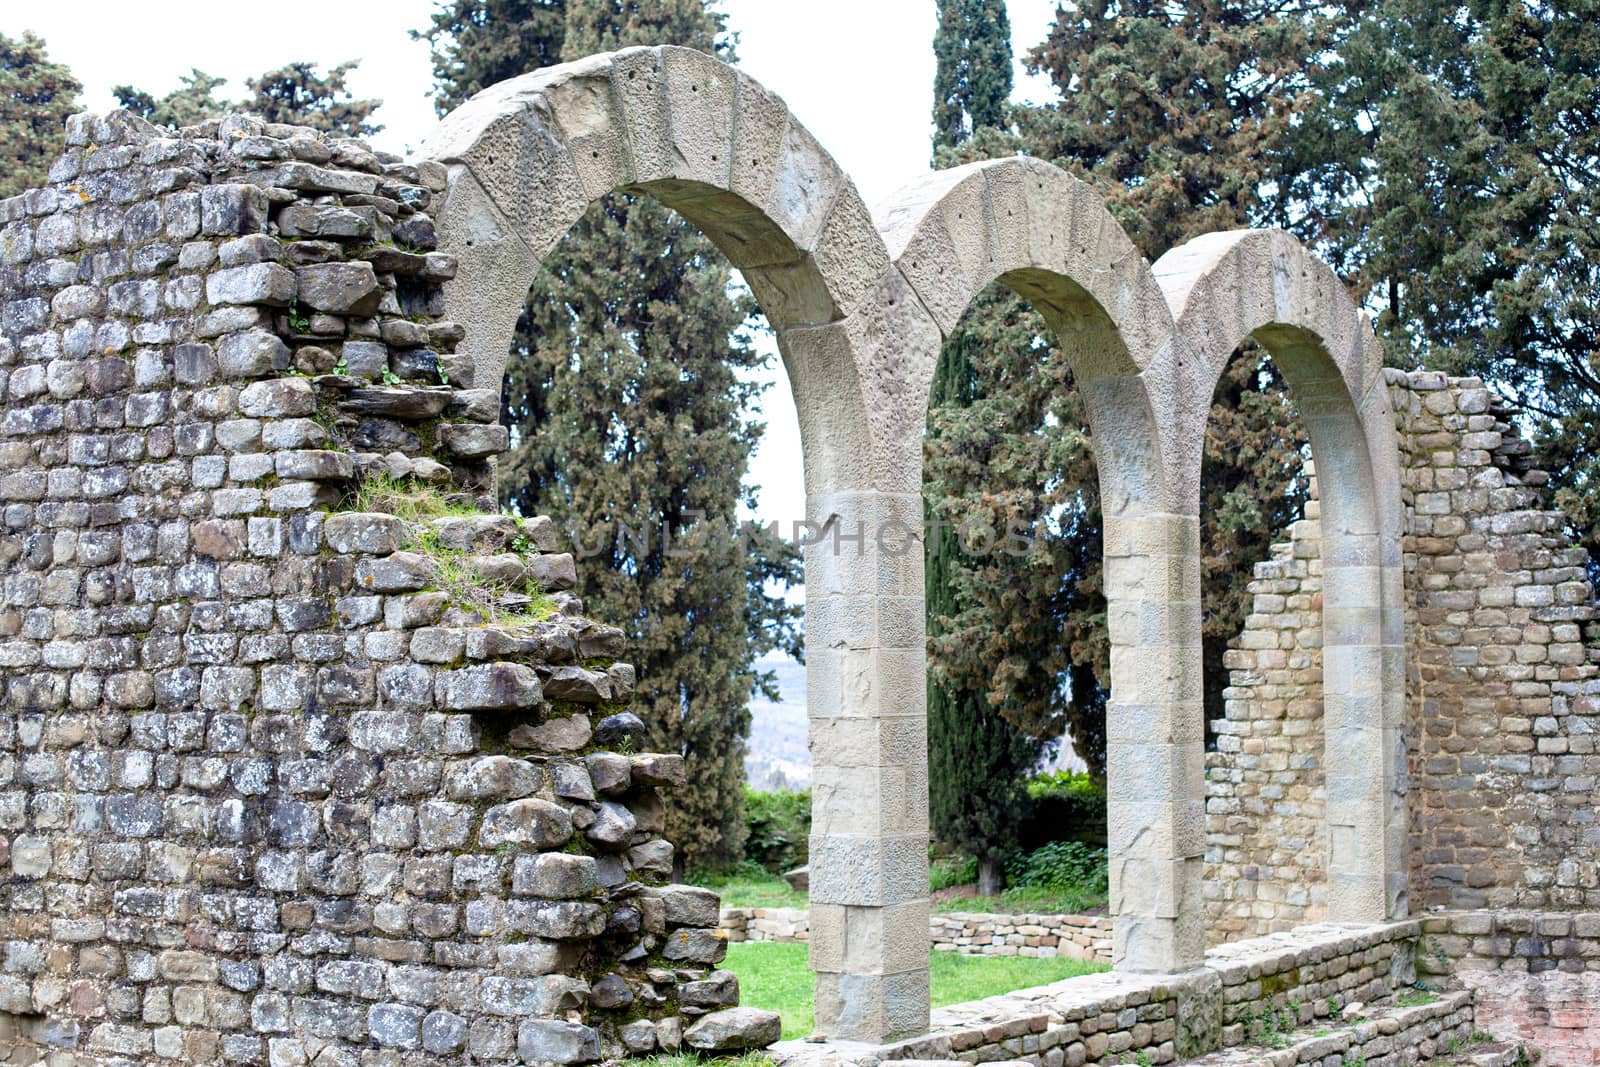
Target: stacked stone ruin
column 277, row 788
column 310, row 757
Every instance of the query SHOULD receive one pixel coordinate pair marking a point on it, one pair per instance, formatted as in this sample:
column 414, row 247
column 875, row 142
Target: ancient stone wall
column 1079, row 937
column 1249, row 992
column 305, row 756
column 1503, row 697
column 1535, row 976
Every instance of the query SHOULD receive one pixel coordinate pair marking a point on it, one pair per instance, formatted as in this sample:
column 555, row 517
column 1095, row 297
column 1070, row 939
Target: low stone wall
column 1535, row 976
column 1398, row 1035
column 783, row 925
column 1312, row 973
column 1082, row 937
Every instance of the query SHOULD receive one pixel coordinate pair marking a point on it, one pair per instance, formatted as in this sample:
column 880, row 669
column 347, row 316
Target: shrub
column 952, row 870
column 1061, row 866
column 1067, row 806
column 779, row 825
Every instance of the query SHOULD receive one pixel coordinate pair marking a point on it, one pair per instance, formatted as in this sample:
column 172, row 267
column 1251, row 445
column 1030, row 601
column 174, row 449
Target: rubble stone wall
column 1081, row 937
column 282, row 780
column 1535, row 976
column 1503, row 694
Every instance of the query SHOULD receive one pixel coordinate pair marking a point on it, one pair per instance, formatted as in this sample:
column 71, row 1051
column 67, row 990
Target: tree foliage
column 977, row 756
column 476, row 43
column 628, row 392
column 36, row 96
column 1179, row 114
column 294, row 94
column 1450, row 168
column 972, row 69
column 194, row 101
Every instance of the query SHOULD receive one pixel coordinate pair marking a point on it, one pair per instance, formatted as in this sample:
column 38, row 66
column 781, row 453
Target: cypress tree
column 36, row 96
column 972, row 69
column 977, row 759
column 628, row 393
column 1463, row 203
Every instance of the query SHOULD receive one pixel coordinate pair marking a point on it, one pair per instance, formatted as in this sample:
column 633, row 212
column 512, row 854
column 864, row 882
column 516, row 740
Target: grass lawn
column 745, row 890
column 777, row 977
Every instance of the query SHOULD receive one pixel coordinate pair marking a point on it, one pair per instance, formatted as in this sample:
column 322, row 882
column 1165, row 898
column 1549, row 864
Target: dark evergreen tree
column 977, row 758
column 628, row 395
column 297, row 94
column 191, row 103
column 1450, row 168
column 36, row 96
column 294, row 94
column 972, row 69
column 476, row 43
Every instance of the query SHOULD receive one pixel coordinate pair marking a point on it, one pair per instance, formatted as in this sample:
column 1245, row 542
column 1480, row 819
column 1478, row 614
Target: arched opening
column 1047, row 237
column 526, row 158
column 1262, row 286
column 1018, row 647
column 1266, row 840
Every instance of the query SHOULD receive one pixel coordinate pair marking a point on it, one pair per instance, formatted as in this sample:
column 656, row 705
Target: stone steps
column 1384, row 1034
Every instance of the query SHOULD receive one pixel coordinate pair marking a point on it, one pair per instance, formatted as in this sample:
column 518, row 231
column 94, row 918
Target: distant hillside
column 777, row 757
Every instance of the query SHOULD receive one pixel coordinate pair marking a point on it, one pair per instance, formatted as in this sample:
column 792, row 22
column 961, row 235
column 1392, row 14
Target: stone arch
column 1049, row 237
column 1228, row 287
column 526, row 158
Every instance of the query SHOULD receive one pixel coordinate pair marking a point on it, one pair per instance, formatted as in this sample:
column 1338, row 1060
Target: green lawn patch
column 777, row 977
column 747, row 888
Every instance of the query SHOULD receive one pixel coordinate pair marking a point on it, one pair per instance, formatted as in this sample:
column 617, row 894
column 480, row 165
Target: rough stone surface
column 734, row 1030
column 272, row 791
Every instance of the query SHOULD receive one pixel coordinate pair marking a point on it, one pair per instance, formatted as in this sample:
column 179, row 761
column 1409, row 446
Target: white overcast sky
column 857, row 73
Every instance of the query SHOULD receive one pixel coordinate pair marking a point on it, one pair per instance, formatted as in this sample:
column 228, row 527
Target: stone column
column 1363, row 742
column 1155, row 742
column 865, row 693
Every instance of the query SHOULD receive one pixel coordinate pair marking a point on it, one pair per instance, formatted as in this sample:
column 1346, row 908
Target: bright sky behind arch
column 857, row 73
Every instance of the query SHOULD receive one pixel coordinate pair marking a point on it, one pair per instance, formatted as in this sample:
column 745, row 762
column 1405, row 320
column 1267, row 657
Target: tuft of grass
column 407, row 500
column 777, row 977
column 419, row 505
column 750, row 886
column 690, row 1059
column 1413, row 998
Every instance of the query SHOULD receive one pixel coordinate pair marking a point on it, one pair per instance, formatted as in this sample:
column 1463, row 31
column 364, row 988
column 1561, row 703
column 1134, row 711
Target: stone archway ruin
column 275, row 789
column 860, row 308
